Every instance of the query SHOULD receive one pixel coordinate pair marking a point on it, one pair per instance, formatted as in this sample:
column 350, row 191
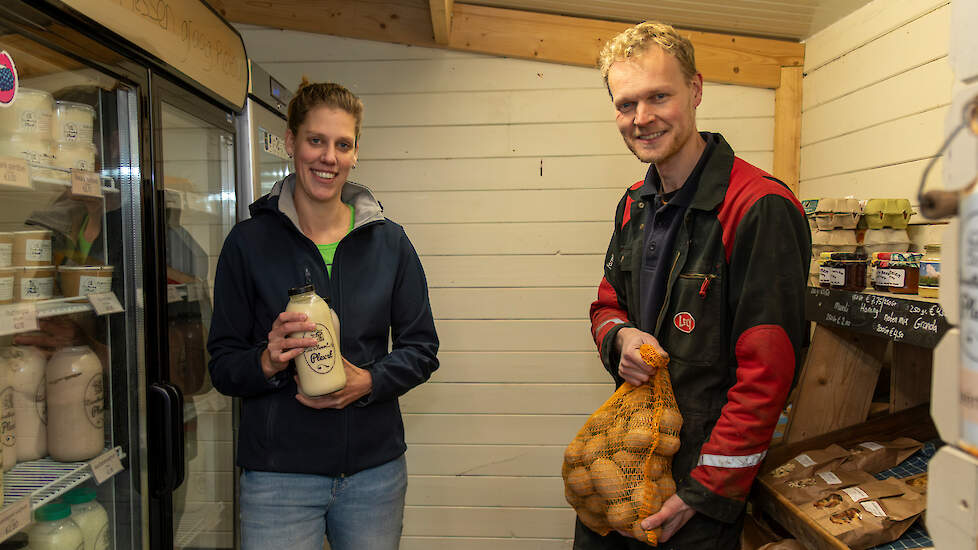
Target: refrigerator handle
column 166, row 443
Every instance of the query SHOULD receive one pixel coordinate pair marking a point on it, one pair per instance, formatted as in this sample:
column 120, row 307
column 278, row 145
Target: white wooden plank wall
column 505, row 174
column 876, row 90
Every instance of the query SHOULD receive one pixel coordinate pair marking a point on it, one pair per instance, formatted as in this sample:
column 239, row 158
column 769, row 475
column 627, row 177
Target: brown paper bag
column 808, row 489
column 874, row 457
column 917, row 483
column 807, row 463
column 843, row 499
column 874, row 522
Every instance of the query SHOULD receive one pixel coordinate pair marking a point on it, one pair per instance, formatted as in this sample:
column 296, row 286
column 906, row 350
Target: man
column 707, row 262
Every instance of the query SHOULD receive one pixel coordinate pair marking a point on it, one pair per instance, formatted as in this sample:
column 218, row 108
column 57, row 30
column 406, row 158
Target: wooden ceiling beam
column 441, row 20
column 720, row 57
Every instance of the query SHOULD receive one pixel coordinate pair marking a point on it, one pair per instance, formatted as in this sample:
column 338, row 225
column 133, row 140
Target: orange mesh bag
column 618, row 470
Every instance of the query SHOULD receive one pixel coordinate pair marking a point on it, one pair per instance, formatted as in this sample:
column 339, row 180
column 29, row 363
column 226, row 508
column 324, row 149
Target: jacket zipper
column 665, row 303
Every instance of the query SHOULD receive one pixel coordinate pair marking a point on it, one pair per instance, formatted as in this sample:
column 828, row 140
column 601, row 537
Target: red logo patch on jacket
column 684, row 321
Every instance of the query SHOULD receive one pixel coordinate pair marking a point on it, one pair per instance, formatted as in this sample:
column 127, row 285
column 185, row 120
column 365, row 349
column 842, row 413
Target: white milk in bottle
column 55, row 530
column 90, row 517
column 75, row 404
column 320, row 367
column 23, row 368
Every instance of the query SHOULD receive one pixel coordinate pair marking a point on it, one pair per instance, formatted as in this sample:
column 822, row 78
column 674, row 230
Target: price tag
column 105, row 303
column 193, row 292
column 14, row 173
column 871, row 445
column 805, row 460
column 874, row 508
column 85, row 183
column 105, row 466
column 20, row 317
column 856, row 494
column 15, row 517
column 173, row 294
column 830, row 478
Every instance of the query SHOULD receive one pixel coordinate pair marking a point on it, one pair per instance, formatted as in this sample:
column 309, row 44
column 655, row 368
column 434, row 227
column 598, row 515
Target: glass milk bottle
column 75, row 401
column 90, row 516
column 23, row 367
column 320, row 367
column 54, row 529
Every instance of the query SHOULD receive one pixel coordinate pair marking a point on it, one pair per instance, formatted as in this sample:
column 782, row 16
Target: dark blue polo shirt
column 664, row 216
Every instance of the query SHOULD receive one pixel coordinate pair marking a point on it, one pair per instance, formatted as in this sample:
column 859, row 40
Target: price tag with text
column 173, row 294
column 85, row 183
column 14, row 173
column 105, row 466
column 105, row 303
column 15, row 517
column 16, row 318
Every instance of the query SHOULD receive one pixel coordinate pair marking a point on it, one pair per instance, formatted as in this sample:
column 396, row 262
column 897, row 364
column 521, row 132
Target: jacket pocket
column 695, row 321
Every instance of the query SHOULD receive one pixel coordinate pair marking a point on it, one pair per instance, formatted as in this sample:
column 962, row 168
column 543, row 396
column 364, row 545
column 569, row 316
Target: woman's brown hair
column 311, row 95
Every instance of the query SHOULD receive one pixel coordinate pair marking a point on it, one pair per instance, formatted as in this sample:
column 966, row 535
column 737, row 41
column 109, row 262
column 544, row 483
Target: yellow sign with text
column 186, row 34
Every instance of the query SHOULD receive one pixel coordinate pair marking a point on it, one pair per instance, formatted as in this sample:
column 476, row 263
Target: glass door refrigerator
column 117, row 173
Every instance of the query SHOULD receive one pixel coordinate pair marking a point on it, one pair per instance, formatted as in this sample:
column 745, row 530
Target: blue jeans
column 363, row 511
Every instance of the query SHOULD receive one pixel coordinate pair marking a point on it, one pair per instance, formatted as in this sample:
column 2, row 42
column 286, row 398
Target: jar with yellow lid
column 929, row 282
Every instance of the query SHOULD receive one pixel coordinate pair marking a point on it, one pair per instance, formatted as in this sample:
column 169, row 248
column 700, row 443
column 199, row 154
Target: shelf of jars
column 20, row 175
column 905, row 318
column 30, row 485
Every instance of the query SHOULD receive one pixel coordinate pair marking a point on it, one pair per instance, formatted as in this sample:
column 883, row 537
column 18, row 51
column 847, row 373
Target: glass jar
column 930, row 272
column 842, row 271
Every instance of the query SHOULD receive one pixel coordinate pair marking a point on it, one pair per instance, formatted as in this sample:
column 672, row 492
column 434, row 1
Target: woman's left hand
column 359, row 382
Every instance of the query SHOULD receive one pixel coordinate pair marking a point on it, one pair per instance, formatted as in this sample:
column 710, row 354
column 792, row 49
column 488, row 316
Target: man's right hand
column 632, row 367
column 281, row 349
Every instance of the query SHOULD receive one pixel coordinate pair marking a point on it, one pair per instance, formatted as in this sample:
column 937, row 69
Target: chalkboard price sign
column 908, row 320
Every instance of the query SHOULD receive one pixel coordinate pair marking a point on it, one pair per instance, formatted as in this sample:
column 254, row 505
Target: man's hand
column 632, row 367
column 671, row 517
column 281, row 349
column 359, row 382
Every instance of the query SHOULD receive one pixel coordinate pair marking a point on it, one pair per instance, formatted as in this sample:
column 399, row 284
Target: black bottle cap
column 301, row 290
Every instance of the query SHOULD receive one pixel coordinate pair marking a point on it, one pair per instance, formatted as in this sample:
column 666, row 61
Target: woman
column 333, row 463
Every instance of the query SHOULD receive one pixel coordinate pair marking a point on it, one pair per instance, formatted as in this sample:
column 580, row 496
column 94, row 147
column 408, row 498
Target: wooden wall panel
column 505, row 174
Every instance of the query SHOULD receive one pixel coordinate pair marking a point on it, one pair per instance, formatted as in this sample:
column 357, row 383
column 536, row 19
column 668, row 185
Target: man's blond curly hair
column 636, row 41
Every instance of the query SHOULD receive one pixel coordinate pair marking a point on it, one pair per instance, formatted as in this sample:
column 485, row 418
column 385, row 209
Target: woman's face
column 324, row 150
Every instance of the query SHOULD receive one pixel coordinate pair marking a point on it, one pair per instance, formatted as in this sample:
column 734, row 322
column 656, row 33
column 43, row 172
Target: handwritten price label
column 15, row 517
column 105, row 466
column 105, row 303
column 14, row 172
column 85, row 184
column 15, row 318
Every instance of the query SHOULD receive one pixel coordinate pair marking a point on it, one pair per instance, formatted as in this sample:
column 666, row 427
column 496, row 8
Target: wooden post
column 441, row 20
column 910, row 376
column 787, row 127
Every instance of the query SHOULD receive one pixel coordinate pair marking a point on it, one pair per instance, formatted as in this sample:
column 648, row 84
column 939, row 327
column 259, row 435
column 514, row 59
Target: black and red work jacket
column 732, row 320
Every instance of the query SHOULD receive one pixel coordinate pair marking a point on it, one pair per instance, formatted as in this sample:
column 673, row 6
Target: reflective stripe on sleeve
column 721, row 461
column 615, row 321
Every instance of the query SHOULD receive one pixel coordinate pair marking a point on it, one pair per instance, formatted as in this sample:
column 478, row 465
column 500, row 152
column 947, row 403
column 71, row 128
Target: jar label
column 40, row 288
column 321, row 358
column 8, row 424
column 6, row 254
column 6, row 289
column 37, row 250
column 94, row 393
column 930, row 274
column 891, row 277
column 88, row 284
column 832, row 275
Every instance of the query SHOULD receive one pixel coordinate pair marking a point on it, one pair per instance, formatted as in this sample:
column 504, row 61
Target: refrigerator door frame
column 91, row 46
column 176, row 94
column 256, row 114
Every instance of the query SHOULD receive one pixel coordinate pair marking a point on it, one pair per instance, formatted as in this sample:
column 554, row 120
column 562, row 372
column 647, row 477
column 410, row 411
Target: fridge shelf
column 62, row 306
column 45, row 480
column 63, row 179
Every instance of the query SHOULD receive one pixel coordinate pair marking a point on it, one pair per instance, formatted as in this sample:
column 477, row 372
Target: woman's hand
column 281, row 349
column 359, row 382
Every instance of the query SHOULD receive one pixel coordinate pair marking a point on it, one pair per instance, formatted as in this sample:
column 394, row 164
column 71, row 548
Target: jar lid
column 80, row 495
column 53, row 512
column 75, row 105
column 301, row 290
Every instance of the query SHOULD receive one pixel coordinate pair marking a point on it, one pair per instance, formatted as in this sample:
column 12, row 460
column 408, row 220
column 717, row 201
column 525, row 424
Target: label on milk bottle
column 94, row 393
column 322, row 357
column 8, row 427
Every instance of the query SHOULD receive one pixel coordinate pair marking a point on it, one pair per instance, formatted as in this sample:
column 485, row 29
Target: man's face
column 655, row 105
